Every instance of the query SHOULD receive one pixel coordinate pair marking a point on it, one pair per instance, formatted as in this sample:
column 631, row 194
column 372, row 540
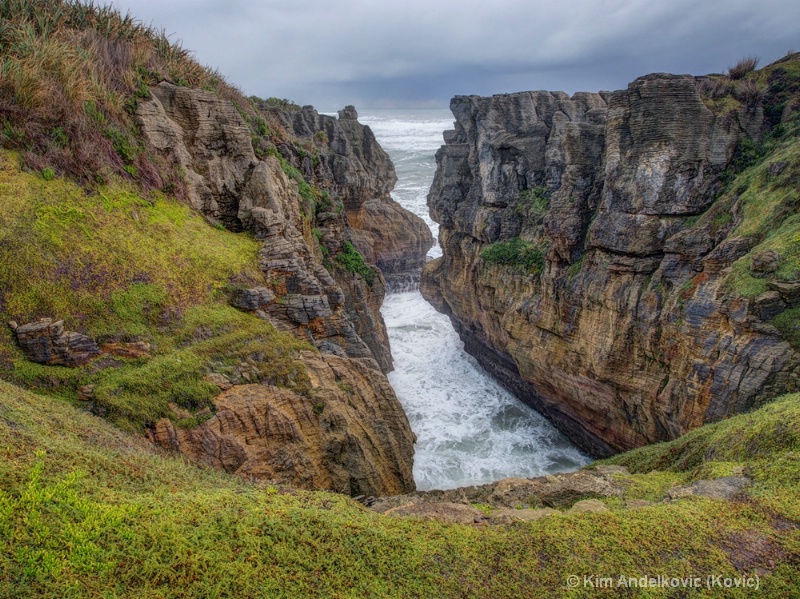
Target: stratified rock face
column 355, row 168
column 351, row 437
column 627, row 336
column 208, row 140
column 46, row 342
column 362, row 441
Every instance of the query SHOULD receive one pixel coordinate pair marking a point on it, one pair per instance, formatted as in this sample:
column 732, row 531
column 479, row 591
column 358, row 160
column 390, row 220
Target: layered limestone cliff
column 591, row 247
column 313, row 200
column 354, row 168
column 352, row 437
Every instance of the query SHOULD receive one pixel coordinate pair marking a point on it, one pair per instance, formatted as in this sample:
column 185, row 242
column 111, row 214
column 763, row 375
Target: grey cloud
column 417, row 52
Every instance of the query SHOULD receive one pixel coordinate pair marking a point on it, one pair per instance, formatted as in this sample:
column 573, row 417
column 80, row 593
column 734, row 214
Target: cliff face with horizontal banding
column 316, row 201
column 604, row 253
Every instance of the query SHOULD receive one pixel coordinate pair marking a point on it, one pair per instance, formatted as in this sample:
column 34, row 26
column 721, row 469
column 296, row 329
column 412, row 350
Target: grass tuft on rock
column 351, row 260
column 517, row 254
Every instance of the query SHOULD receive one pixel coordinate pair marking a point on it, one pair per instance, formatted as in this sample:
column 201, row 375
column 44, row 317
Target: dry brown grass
column 714, row 87
column 743, row 67
column 71, row 73
column 748, row 92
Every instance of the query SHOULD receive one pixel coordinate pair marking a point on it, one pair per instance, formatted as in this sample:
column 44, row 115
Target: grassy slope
column 122, row 267
column 88, row 511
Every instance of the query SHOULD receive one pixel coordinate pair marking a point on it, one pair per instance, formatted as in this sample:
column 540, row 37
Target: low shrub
column 517, row 254
column 352, row 261
column 743, row 67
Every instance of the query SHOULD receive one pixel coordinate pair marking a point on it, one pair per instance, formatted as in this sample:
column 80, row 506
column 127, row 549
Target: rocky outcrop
column 353, row 167
column 207, row 141
column 210, row 142
column 558, row 491
column 606, row 304
column 46, row 342
column 512, row 499
column 351, row 436
column 299, row 200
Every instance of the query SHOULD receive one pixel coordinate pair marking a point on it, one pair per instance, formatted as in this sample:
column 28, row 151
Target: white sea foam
column 411, row 138
column 469, row 429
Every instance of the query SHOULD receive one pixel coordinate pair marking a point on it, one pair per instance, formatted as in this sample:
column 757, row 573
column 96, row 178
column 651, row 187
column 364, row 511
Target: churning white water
column 469, row 429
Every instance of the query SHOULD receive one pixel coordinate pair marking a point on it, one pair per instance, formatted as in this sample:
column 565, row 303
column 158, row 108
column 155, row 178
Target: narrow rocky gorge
column 594, row 252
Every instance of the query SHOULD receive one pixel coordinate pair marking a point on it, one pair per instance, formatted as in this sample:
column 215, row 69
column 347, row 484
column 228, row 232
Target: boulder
column 46, row 342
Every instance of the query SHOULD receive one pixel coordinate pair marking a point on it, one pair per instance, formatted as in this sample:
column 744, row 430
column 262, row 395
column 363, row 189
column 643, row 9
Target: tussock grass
column 743, row 67
column 70, row 76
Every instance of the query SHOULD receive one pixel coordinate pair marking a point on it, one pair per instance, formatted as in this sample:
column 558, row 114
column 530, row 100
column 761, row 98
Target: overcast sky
column 375, row 53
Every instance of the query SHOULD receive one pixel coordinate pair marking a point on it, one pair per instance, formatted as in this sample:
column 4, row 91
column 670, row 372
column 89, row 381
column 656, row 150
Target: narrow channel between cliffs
column 470, row 430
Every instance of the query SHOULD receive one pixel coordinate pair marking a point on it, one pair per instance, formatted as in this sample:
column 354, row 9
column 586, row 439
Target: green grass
column 788, row 324
column 75, row 256
column 351, row 260
column 515, row 253
column 768, row 214
column 88, row 511
column 766, row 442
column 122, row 267
column 215, row 337
column 534, row 201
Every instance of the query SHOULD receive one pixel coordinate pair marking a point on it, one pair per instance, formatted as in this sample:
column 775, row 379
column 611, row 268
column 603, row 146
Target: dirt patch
column 753, row 551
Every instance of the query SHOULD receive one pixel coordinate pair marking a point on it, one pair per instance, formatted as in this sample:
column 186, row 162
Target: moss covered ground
column 87, row 510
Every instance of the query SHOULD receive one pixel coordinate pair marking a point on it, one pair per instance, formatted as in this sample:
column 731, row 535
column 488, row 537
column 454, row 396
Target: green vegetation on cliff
column 121, row 268
column 516, row 253
column 767, row 197
column 352, row 261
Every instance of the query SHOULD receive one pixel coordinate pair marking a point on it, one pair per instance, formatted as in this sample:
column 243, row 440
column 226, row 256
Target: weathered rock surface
column 351, row 436
column 628, row 335
column 46, row 342
column 545, row 494
column 353, row 167
column 444, row 511
column 514, row 500
column 207, row 139
column 725, row 488
column 361, row 441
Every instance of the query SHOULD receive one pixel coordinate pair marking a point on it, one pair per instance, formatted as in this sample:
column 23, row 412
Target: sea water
column 469, row 429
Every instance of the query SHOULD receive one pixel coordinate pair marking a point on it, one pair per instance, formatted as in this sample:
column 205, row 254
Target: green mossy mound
column 122, row 267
